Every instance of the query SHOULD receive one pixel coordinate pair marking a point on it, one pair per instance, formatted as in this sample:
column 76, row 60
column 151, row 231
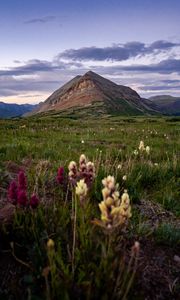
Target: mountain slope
column 167, row 104
column 8, row 110
column 96, row 94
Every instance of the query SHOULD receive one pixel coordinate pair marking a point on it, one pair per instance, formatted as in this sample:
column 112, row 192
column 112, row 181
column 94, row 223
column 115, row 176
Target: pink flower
column 22, row 184
column 12, row 192
column 22, row 198
column 34, row 201
column 60, row 175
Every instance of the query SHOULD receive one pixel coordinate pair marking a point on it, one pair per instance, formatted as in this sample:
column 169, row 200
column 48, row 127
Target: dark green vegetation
column 40, row 146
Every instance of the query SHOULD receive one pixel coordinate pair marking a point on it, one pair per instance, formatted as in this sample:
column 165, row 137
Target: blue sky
column 45, row 43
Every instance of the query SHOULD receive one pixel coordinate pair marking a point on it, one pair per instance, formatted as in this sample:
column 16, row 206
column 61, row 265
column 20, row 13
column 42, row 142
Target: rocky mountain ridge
column 94, row 91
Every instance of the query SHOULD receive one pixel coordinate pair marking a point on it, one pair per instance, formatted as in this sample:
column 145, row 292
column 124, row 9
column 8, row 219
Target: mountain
column 8, row 110
column 166, row 104
column 94, row 94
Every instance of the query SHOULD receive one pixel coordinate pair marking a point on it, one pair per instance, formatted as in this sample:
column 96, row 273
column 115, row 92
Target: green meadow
column 86, row 260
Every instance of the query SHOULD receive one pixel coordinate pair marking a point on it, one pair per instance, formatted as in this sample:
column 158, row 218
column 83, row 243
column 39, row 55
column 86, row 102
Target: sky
column 45, row 43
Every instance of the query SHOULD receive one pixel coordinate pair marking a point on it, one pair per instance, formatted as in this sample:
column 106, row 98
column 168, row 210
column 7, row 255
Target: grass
column 40, row 146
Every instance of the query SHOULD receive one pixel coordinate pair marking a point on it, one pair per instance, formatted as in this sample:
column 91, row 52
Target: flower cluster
column 85, row 171
column 143, row 148
column 114, row 210
column 17, row 192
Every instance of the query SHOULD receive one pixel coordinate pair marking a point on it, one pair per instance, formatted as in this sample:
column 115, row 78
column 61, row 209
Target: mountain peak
column 96, row 93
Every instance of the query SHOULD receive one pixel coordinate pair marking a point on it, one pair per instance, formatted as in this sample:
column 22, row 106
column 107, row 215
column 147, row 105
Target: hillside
column 94, row 94
column 166, row 104
column 8, row 110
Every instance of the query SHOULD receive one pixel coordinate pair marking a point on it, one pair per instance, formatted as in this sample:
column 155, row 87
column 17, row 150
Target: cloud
column 117, row 52
column 153, row 72
column 162, row 45
column 159, row 88
column 41, row 20
column 13, row 87
column 34, row 66
column 167, row 66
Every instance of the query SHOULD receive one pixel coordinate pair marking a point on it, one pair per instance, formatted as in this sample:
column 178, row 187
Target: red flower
column 22, row 198
column 60, row 175
column 12, row 192
column 34, row 201
column 22, row 184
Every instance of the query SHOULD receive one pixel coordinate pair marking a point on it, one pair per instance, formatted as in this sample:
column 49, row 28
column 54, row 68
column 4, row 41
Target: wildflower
column 86, row 171
column 89, row 175
column 81, row 188
column 147, row 149
column 124, row 177
column 82, row 159
column 50, row 244
column 22, row 184
column 156, row 164
column 60, row 175
column 119, row 167
column 125, row 205
column 135, row 152
column 22, row 198
column 141, row 146
column 105, row 193
column 82, row 142
column 34, row 201
column 136, row 247
column 90, row 167
column 82, row 163
column 109, row 182
column 114, row 211
column 13, row 192
column 72, row 169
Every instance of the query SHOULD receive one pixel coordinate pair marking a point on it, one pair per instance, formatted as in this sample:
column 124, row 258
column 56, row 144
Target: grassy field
column 83, row 259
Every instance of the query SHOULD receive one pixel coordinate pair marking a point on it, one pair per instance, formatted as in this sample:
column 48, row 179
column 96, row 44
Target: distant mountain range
column 166, row 104
column 8, row 110
column 92, row 94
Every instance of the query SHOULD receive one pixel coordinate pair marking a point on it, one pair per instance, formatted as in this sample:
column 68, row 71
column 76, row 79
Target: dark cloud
column 31, row 67
column 117, row 52
column 164, row 67
column 162, row 45
column 41, row 20
column 35, row 66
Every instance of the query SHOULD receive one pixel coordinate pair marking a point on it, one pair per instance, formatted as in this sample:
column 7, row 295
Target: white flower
column 109, row 182
column 82, row 159
column 81, row 188
column 141, row 146
column 72, row 166
column 156, row 164
column 124, row 177
column 135, row 152
column 119, row 166
column 82, row 142
column 147, row 149
column 125, row 198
